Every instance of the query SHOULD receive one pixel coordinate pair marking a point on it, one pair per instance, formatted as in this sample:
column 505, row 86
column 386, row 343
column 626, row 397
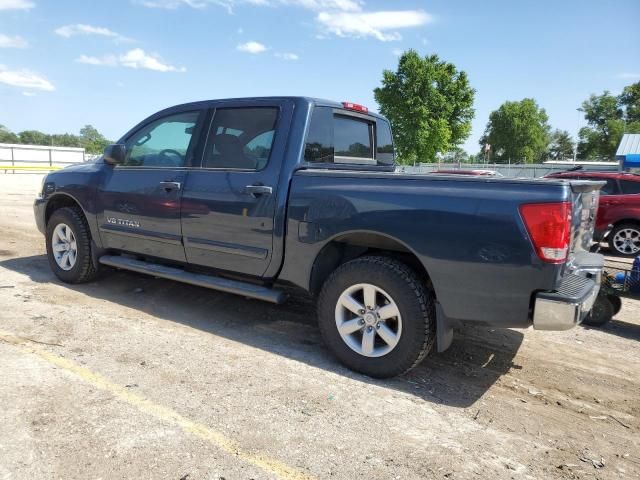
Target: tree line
column 89, row 138
column 430, row 105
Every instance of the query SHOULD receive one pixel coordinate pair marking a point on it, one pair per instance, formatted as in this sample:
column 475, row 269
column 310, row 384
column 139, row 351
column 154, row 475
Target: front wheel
column 69, row 246
column 377, row 316
column 624, row 240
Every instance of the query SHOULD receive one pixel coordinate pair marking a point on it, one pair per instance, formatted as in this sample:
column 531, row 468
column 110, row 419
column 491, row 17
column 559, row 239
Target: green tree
column 92, row 140
column 561, row 145
column 630, row 101
column 66, row 140
column 455, row 155
column 430, row 106
column 34, row 137
column 608, row 118
column 517, row 132
column 7, row 136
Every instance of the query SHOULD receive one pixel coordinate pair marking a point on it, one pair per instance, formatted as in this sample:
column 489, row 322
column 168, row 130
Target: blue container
column 619, row 278
column 631, row 161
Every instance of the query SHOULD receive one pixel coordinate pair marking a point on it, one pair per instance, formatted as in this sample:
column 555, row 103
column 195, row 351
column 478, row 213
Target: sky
column 111, row 63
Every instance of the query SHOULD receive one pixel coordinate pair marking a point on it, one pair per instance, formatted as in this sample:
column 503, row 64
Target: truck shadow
column 620, row 329
column 457, row 377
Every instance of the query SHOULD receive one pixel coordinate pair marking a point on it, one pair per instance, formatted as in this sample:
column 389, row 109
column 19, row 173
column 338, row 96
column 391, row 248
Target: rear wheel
column 601, row 312
column 376, row 316
column 625, row 240
column 69, row 246
column 616, row 302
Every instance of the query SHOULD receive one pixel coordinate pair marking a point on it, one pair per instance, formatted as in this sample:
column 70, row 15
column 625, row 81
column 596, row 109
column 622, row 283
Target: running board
column 207, row 281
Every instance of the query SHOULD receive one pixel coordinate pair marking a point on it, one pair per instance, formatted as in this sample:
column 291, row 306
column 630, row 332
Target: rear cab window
column 341, row 137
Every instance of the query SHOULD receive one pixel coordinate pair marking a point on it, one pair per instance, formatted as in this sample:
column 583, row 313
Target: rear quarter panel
column 467, row 233
column 616, row 208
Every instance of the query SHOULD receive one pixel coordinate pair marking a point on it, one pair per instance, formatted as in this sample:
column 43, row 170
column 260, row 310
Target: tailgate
column 585, row 195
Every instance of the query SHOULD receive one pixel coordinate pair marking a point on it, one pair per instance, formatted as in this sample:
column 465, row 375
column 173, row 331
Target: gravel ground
column 135, row 377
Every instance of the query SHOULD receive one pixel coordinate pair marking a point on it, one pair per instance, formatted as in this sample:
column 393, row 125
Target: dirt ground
column 135, row 377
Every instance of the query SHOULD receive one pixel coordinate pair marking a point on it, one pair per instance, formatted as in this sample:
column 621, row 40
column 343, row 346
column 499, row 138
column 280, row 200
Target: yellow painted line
column 160, row 412
column 27, row 167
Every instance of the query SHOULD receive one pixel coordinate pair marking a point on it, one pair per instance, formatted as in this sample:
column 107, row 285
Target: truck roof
column 321, row 102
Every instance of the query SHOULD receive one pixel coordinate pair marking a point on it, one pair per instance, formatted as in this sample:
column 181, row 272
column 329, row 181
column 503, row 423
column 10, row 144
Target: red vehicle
column 619, row 206
column 477, row 173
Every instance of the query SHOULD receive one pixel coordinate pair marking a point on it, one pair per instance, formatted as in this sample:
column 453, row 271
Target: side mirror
column 114, row 154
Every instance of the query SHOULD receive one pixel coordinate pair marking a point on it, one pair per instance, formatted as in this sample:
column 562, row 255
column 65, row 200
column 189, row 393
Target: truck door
column 138, row 202
column 228, row 204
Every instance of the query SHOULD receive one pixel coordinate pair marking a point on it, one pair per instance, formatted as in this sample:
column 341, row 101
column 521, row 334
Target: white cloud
column 372, row 24
column 170, row 4
column 29, row 94
column 108, row 60
column 342, row 5
column 16, row 5
column 345, row 18
column 629, row 75
column 397, row 52
column 252, row 47
column 287, row 56
column 12, row 42
column 68, row 31
column 25, row 79
column 136, row 58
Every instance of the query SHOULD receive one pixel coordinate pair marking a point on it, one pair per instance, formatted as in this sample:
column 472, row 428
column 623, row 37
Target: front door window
column 163, row 143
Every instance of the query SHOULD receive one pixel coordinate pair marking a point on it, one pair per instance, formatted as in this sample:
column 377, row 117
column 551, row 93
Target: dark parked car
column 250, row 195
column 619, row 206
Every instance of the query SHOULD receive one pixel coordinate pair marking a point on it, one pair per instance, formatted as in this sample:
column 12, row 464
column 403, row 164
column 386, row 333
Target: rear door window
column 241, row 138
column 611, row 187
column 629, row 187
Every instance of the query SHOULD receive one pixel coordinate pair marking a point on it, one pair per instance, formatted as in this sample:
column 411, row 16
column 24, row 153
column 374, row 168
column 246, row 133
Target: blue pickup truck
column 262, row 196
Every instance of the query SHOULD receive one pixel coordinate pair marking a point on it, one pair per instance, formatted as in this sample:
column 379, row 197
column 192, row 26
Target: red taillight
column 355, row 107
column 549, row 226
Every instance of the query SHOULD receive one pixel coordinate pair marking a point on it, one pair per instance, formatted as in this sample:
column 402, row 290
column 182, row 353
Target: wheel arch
column 349, row 245
column 633, row 220
column 58, row 201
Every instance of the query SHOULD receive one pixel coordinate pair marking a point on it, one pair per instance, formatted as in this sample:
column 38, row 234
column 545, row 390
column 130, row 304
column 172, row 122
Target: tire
column 399, row 289
column 81, row 269
column 616, row 302
column 601, row 313
column 624, row 240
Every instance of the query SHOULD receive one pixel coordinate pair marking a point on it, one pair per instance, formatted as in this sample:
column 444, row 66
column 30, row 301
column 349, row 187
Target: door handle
column 168, row 186
column 257, row 190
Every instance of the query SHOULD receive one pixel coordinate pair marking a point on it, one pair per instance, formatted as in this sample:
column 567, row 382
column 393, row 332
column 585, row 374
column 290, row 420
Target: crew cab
column 263, row 196
column 619, row 207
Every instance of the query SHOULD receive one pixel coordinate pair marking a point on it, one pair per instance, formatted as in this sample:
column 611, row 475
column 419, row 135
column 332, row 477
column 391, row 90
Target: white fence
column 39, row 157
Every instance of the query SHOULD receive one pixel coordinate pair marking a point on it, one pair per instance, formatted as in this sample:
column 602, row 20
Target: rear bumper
column 567, row 306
